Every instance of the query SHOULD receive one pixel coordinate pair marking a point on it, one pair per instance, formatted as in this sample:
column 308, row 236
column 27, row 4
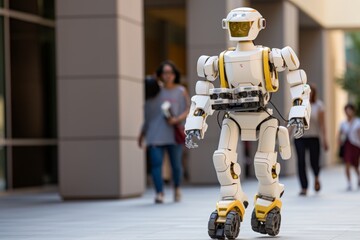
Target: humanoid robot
column 248, row 76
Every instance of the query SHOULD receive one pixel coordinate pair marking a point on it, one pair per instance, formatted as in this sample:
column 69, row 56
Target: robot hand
column 299, row 124
column 189, row 138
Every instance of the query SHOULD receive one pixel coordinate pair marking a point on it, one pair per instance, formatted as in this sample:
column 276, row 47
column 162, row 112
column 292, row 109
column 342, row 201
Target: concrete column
column 334, row 96
column 100, row 96
column 281, row 30
column 323, row 58
column 338, row 97
column 313, row 45
column 205, row 36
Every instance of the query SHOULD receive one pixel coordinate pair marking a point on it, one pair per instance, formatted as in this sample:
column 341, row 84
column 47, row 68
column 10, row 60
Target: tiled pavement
column 331, row 214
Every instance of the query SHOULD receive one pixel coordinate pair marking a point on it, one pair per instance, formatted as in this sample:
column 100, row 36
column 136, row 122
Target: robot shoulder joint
column 203, row 87
column 207, row 67
column 277, row 59
column 290, row 58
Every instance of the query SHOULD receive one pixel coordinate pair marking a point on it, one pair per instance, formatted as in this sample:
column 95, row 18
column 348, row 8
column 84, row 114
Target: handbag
column 179, row 134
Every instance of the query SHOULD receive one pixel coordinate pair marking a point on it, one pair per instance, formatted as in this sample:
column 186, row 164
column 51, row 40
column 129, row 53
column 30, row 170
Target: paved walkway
column 332, row 214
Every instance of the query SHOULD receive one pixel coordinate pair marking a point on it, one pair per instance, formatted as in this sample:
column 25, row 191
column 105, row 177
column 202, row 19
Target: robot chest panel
column 244, row 68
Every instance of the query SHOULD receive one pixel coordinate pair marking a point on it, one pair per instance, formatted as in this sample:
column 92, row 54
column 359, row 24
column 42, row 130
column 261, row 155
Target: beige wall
column 338, row 14
column 336, row 96
column 204, row 37
column 282, row 30
column 100, row 70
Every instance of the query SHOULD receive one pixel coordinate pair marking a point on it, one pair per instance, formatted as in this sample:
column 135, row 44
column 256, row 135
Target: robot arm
column 300, row 91
column 284, row 58
column 195, row 125
column 300, row 94
column 207, row 67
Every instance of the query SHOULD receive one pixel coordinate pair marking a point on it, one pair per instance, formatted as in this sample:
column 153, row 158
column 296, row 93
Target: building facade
column 71, row 82
column 28, row 131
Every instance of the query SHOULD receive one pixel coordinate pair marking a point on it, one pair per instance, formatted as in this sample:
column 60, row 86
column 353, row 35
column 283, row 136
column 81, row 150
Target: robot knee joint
column 227, row 169
column 266, row 167
column 223, row 159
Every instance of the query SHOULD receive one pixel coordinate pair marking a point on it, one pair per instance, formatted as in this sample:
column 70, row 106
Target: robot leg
column 231, row 207
column 266, row 217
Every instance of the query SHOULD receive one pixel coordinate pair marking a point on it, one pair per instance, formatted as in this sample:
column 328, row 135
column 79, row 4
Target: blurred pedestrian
column 160, row 131
column 349, row 139
column 151, row 90
column 311, row 142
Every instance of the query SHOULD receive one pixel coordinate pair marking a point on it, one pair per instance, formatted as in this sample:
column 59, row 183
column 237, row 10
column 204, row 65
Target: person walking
column 349, row 139
column 311, row 142
column 160, row 131
column 151, row 90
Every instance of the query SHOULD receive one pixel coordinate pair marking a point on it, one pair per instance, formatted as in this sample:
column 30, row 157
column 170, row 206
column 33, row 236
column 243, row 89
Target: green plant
column 350, row 81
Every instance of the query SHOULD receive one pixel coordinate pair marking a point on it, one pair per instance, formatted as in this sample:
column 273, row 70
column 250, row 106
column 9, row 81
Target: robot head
column 243, row 24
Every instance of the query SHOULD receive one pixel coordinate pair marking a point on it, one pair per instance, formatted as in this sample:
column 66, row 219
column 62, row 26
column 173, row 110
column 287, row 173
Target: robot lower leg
column 225, row 221
column 266, row 217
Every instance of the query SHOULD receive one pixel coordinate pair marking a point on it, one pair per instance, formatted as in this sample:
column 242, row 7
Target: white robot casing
column 248, row 76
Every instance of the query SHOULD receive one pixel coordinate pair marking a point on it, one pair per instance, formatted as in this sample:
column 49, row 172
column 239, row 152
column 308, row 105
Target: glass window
column 34, row 165
column 240, row 29
column 2, row 168
column 44, row 8
column 165, row 37
column 33, row 98
column 2, row 105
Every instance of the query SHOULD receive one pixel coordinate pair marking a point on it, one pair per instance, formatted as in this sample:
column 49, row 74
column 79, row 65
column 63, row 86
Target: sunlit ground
column 332, row 214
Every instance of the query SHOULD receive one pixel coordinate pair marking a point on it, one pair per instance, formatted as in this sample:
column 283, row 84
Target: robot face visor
column 240, row 29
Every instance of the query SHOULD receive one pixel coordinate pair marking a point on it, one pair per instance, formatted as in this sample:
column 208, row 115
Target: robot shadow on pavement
column 248, row 76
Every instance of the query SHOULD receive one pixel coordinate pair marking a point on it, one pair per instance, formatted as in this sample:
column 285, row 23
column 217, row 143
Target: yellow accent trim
column 223, row 81
column 273, row 172
column 262, row 211
column 299, row 103
column 221, row 220
column 292, row 59
column 235, row 205
column 234, row 176
column 267, row 73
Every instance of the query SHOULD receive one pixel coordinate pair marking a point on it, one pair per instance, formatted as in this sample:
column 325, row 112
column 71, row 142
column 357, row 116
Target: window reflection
column 32, row 80
column 2, row 106
column 44, row 8
column 165, row 37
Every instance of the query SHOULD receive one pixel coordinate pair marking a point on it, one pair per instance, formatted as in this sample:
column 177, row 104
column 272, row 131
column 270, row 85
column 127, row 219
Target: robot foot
column 226, row 220
column 270, row 226
column 215, row 230
column 229, row 229
column 266, row 217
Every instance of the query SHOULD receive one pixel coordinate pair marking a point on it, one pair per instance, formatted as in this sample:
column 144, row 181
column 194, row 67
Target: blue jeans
column 156, row 158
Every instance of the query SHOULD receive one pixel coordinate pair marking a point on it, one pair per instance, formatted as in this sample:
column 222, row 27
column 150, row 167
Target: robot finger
column 190, row 144
column 299, row 132
column 291, row 123
column 197, row 134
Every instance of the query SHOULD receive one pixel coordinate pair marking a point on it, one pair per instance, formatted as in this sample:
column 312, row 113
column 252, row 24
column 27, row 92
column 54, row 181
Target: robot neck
column 245, row 46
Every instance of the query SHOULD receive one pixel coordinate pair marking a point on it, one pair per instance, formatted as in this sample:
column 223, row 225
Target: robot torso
column 246, row 86
column 244, row 68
